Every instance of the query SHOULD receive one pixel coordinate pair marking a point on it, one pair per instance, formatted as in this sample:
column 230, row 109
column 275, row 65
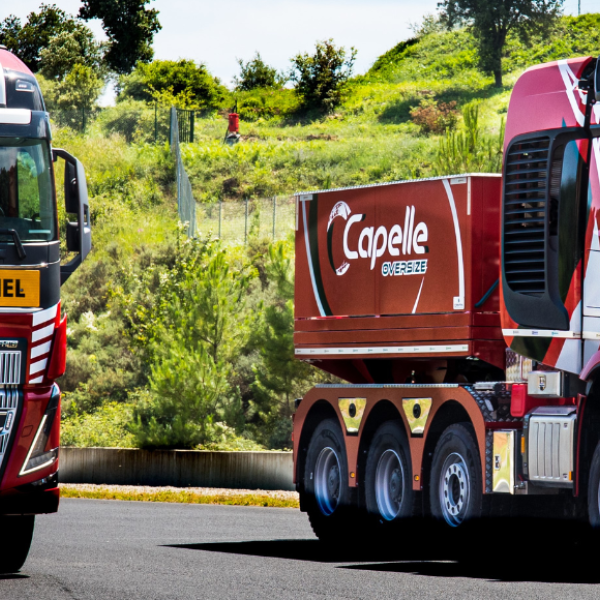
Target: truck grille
column 10, row 368
column 525, row 207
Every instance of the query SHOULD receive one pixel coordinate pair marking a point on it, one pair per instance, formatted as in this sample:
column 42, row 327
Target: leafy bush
column 73, row 99
column 137, row 121
column 267, row 104
column 255, row 74
column 319, row 78
column 181, row 408
column 106, row 427
column 435, row 117
column 181, row 82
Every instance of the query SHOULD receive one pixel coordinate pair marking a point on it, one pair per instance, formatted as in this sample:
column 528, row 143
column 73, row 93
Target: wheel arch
column 449, row 413
column 382, row 412
column 319, row 411
column 589, row 433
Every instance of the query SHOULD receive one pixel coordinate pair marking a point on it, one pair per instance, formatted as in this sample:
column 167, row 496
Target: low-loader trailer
column 464, row 311
column 33, row 336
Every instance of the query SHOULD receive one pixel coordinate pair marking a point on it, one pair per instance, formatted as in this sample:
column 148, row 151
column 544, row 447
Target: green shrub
column 137, row 121
column 435, row 117
column 106, row 427
column 319, row 77
column 255, row 74
column 470, row 150
column 182, row 81
column 181, row 408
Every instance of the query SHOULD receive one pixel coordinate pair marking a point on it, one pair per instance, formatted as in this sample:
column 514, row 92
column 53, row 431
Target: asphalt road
column 109, row 550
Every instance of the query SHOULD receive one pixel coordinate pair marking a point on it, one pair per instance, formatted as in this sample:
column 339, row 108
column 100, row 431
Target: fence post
column 155, row 122
column 246, row 223
column 220, row 211
column 274, row 214
column 192, row 126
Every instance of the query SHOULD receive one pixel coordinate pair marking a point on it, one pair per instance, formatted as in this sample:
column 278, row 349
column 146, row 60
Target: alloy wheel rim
column 327, row 481
column 389, row 485
column 455, row 488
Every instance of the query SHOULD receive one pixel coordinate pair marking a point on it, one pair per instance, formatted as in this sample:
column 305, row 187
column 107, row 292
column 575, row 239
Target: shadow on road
column 554, row 557
column 4, row 576
column 311, row 550
column 546, row 571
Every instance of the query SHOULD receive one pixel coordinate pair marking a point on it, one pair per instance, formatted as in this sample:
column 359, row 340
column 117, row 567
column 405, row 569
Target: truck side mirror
column 79, row 233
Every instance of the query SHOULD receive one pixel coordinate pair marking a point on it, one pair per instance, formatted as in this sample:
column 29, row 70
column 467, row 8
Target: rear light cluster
column 521, row 403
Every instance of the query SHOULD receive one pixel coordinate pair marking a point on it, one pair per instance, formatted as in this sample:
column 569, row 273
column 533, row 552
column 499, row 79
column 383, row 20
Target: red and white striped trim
column 41, row 342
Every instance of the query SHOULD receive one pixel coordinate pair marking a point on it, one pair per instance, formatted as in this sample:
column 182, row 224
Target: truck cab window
column 26, row 198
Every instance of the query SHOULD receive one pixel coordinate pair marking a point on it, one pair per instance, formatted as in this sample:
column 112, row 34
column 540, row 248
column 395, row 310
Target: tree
column 492, row 20
column 191, row 333
column 256, row 74
column 130, row 28
column 319, row 78
column 278, row 378
column 70, row 48
column 74, row 96
column 182, row 82
column 184, row 403
column 27, row 41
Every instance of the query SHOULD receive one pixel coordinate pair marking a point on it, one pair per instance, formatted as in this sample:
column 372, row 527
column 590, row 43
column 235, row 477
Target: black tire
column 327, row 495
column 389, row 497
column 455, row 485
column 594, row 491
column 18, row 533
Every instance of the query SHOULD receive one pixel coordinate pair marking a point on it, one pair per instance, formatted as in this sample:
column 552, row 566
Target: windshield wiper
column 17, row 240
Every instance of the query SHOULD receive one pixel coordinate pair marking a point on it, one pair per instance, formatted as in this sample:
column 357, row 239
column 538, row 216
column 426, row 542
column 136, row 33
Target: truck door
column 591, row 267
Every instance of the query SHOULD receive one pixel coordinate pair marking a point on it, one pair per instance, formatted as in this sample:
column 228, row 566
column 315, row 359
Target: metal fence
column 233, row 221
column 186, row 205
column 236, row 221
column 185, row 119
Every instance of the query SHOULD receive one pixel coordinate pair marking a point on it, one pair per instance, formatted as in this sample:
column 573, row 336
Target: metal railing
column 186, row 205
column 236, row 220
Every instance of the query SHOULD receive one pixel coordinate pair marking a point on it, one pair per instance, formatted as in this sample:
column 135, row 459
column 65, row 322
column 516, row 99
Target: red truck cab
column 33, row 335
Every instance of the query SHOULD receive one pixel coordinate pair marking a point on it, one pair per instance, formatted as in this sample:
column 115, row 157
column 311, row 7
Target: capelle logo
column 373, row 243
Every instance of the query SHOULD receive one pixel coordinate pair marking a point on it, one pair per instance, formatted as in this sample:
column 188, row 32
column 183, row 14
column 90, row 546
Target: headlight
column 37, row 457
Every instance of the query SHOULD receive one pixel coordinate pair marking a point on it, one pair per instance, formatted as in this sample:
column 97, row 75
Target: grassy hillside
column 191, row 338
column 371, row 137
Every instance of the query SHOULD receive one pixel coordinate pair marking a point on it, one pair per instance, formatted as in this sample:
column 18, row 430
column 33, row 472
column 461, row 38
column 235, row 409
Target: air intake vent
column 525, row 207
column 9, row 405
column 10, row 368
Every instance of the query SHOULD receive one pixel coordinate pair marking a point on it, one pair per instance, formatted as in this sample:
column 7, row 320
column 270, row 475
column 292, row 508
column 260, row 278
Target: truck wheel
column 594, row 490
column 18, row 531
column 455, row 483
column 388, row 482
column 326, row 482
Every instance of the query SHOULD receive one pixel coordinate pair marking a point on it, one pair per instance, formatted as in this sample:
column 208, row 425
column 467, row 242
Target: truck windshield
column 26, row 198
